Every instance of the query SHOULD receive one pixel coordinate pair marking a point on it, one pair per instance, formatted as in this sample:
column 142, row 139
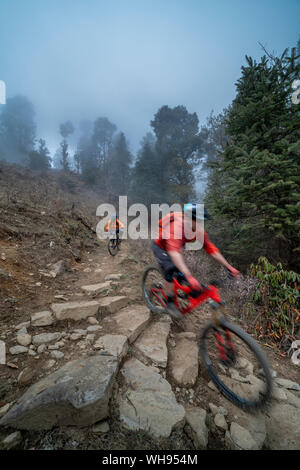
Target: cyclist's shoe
column 172, row 310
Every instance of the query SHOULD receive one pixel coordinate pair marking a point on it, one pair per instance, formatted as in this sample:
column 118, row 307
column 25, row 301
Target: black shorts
column 168, row 267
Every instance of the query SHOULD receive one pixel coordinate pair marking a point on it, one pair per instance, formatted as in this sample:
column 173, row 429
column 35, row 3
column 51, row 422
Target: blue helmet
column 196, row 211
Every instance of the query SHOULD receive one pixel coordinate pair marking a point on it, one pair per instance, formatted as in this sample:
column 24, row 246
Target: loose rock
column 46, row 338
column 18, row 350
column 24, row 339
column 44, row 318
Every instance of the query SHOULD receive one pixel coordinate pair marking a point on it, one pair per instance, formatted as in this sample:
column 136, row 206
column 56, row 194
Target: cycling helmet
column 196, row 211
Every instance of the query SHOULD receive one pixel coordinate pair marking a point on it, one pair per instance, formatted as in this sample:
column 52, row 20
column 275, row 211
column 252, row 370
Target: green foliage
column 278, row 300
column 40, row 159
column 258, row 171
column 177, row 145
column 145, row 182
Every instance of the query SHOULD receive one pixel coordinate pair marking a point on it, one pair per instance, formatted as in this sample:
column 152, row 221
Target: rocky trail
column 95, row 369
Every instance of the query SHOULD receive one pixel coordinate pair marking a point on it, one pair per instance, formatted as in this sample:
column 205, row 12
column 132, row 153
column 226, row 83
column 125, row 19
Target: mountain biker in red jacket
column 176, row 229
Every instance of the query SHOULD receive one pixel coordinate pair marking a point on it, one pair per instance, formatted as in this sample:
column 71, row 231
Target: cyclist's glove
column 233, row 272
column 195, row 285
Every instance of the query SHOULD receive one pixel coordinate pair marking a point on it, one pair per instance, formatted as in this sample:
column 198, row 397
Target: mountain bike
column 114, row 243
column 232, row 358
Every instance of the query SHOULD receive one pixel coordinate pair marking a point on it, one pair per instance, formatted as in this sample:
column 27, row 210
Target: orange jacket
column 113, row 225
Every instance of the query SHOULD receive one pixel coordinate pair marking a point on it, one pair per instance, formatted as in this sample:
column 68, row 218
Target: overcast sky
column 123, row 59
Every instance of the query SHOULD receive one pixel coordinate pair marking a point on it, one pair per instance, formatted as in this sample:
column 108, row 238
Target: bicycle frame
column 209, row 292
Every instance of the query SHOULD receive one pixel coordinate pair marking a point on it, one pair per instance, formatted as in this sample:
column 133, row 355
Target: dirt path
column 94, row 270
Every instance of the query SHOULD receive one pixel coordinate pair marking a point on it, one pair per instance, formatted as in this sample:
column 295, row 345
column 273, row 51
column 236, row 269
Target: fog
column 76, row 59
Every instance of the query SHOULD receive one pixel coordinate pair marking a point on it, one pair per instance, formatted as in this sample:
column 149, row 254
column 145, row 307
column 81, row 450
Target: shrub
column 276, row 298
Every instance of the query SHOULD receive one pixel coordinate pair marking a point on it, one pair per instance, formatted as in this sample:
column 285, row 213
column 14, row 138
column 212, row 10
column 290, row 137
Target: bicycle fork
column 225, row 347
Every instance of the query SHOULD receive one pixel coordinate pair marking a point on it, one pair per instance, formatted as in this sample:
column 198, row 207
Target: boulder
column 77, row 394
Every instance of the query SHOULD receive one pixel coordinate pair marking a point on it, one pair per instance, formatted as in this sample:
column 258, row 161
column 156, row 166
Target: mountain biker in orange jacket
column 113, row 224
column 175, row 230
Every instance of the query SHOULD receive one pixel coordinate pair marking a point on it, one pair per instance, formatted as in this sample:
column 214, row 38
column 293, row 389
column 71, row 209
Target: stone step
column 97, row 288
column 147, row 401
column 112, row 345
column 184, row 360
column 109, row 305
column 152, row 343
column 113, row 277
column 130, row 321
column 44, row 318
column 75, row 310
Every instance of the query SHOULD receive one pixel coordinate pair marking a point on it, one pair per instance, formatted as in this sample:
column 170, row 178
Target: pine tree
column 145, row 187
column 64, row 156
column 119, row 166
column 40, row 159
column 261, row 164
column 177, row 146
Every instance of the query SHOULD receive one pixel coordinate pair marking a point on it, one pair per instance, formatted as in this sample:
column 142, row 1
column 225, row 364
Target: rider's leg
column 169, row 269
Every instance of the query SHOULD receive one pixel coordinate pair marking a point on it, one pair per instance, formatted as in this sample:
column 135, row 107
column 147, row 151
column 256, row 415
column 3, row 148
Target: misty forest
column 243, row 163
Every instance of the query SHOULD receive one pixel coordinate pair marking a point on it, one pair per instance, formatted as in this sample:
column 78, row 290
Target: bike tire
column 154, row 308
column 112, row 247
column 246, row 405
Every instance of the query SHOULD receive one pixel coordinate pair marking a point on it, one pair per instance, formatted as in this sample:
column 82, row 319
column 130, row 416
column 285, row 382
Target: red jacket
column 172, row 236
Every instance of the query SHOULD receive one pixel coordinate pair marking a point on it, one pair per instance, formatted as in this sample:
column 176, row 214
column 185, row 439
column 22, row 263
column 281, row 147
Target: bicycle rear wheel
column 113, row 246
column 152, row 288
column 236, row 365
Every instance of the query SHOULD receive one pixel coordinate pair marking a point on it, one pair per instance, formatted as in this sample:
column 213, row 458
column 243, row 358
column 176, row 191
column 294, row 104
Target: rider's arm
column 220, row 259
column 178, row 260
column 213, row 251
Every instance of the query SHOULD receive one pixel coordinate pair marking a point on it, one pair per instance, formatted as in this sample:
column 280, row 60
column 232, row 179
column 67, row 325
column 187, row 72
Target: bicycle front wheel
column 152, row 288
column 113, row 247
column 236, row 365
